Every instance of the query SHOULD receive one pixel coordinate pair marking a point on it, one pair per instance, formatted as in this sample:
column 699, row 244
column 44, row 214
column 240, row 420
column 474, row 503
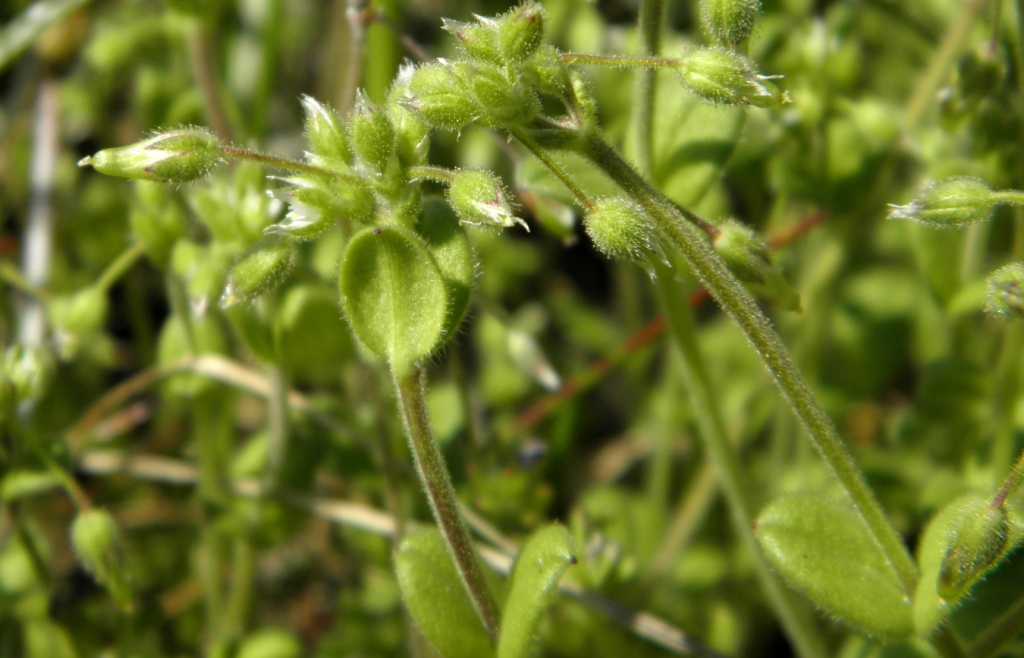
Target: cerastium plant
column 405, row 279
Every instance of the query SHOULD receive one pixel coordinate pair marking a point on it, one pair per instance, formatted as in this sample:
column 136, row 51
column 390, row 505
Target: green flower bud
column 263, row 269
column 178, row 156
column 479, row 198
column 546, row 73
column 412, row 134
column 747, row 256
column 1006, row 292
column 730, row 21
column 503, row 102
column 325, row 132
column 720, row 76
column 100, row 550
column 479, row 40
column 949, row 203
column 77, row 316
column 316, row 204
column 372, row 135
column 440, row 94
column 520, row 32
column 979, row 539
column 620, row 229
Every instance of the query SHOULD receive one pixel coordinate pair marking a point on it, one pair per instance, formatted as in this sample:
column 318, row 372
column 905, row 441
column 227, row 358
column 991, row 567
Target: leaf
column 393, row 294
column 21, row 483
column 446, row 239
column 824, row 550
column 18, row 35
column 539, row 566
column 935, row 598
column 436, row 598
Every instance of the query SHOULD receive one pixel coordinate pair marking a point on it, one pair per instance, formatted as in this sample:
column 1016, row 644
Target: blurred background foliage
column 891, row 336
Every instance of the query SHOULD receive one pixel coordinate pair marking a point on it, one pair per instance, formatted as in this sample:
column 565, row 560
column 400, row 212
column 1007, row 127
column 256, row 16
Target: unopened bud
column 503, row 102
column 978, row 540
column 730, row 21
column 440, row 94
column 178, row 156
column 316, row 204
column 372, row 135
column 950, row 203
column 720, row 76
column 1006, row 292
column 479, row 40
column 520, row 32
column 546, row 73
column 479, row 198
column 100, row 550
column 325, row 131
column 261, row 270
column 746, row 254
column 620, row 229
column 412, row 133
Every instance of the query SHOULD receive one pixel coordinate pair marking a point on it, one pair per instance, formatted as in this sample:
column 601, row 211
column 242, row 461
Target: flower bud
column 325, row 132
column 76, row 316
column 261, row 270
column 315, row 205
column 479, row 40
column 1006, row 292
column 412, row 134
column 949, row 203
column 620, row 229
column 546, row 73
column 720, row 76
column 178, row 156
column 100, row 550
column 440, row 94
column 503, row 103
column 520, row 32
column 730, row 21
column 372, row 135
column 479, row 198
column 979, row 539
column 747, row 256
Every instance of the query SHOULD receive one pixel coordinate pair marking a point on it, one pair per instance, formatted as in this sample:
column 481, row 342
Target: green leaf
column 824, row 550
column 541, row 563
column 446, row 239
column 19, row 34
column 393, row 294
column 945, row 541
column 22, row 483
column 270, row 643
column 437, row 599
column 100, row 550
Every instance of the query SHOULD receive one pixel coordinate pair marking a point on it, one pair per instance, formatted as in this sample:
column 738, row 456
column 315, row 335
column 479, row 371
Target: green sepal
column 541, row 562
column 449, row 245
column 729, row 21
column 436, row 598
column 822, row 548
column 393, row 294
column 521, row 32
column 261, row 270
column 176, row 156
column 371, row 134
column 440, row 94
column 325, row 133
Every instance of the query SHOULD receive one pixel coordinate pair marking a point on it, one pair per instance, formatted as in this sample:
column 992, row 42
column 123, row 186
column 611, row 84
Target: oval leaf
column 393, row 294
column 541, row 563
column 446, row 239
column 436, row 598
column 823, row 549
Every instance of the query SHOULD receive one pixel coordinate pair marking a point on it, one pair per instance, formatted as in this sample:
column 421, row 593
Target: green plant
column 397, row 214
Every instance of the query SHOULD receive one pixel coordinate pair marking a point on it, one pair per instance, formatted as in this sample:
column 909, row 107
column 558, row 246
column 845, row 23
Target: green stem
column 553, row 167
column 243, row 567
column 1009, row 197
column 437, row 484
column 70, row 484
column 620, row 61
column 436, row 174
column 737, row 302
column 286, row 163
column 956, row 37
column 794, row 617
column 120, row 267
column 277, row 424
column 1000, row 632
column 652, row 15
column 947, row 644
column 1011, row 482
column 12, row 276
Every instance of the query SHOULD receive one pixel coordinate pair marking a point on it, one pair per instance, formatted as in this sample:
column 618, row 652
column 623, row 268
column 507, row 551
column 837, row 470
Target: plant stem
column 947, row 644
column 652, row 15
column 236, row 611
column 13, row 277
column 68, row 481
column 1001, row 631
column 286, row 163
column 794, row 617
column 553, row 167
column 437, row 485
column 620, row 61
column 690, row 512
column 738, row 303
column 436, row 174
column 120, row 266
column 956, row 37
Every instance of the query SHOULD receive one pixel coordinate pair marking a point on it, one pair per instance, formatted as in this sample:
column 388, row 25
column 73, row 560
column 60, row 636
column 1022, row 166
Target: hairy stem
column 437, row 485
column 793, row 616
column 620, row 61
column 120, row 266
column 738, row 303
column 553, row 167
column 286, row 163
column 436, row 174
